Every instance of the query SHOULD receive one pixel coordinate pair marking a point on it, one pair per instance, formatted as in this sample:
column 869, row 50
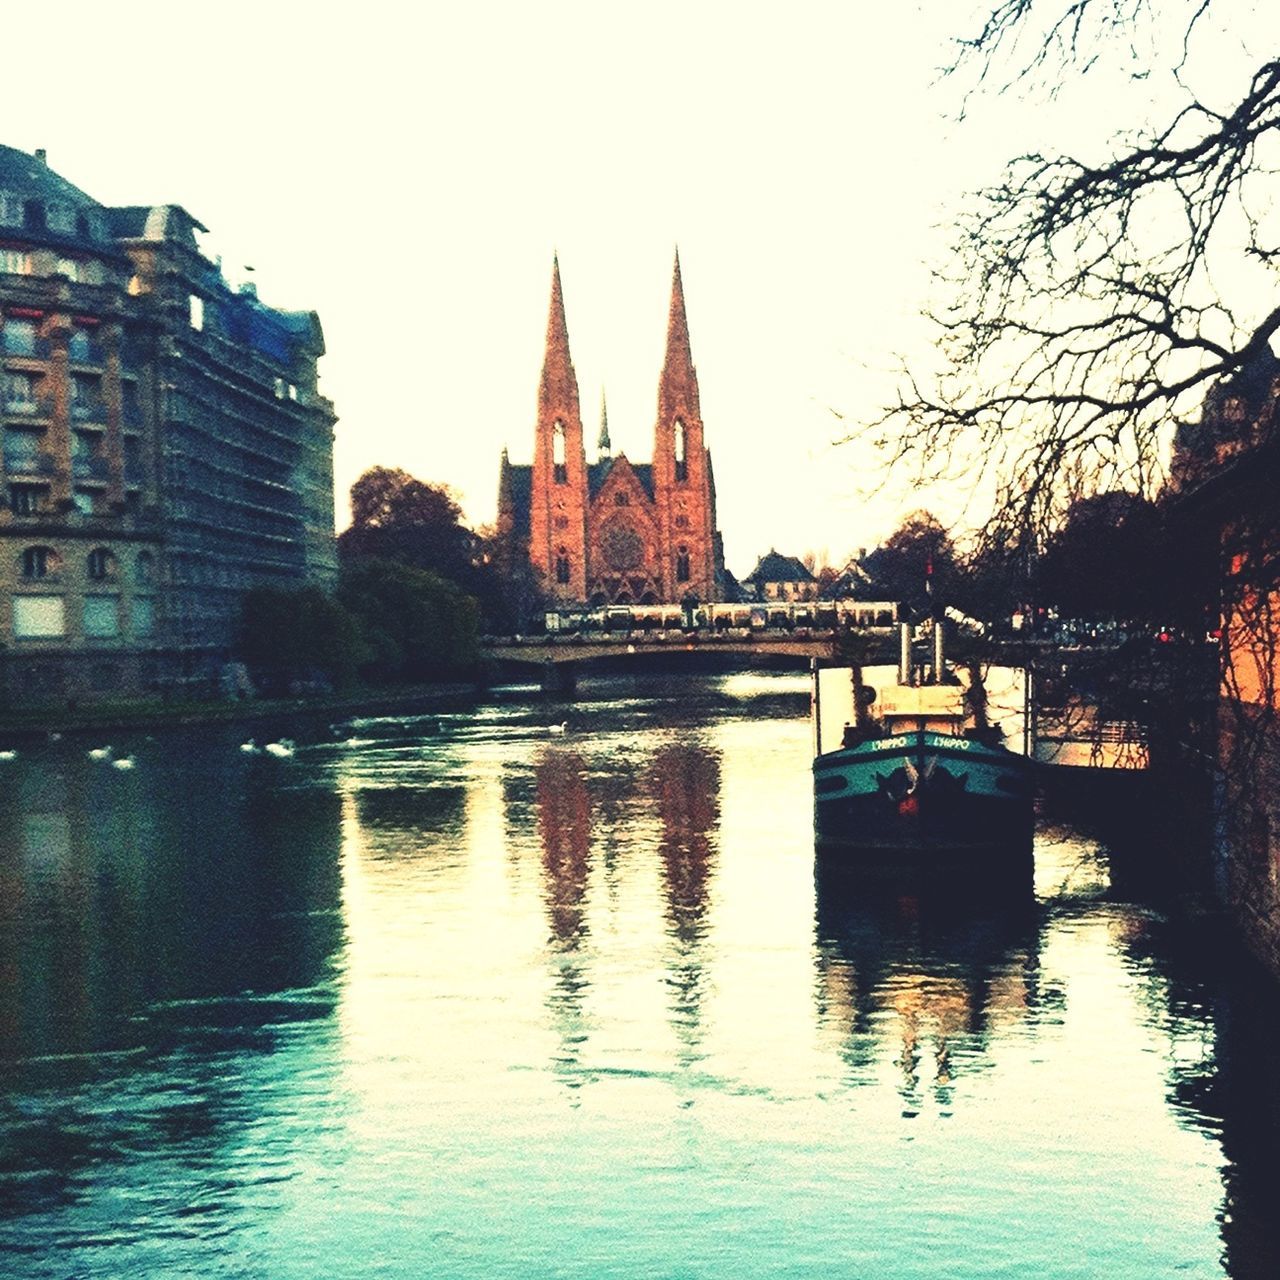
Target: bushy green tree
column 415, row 624
column 289, row 637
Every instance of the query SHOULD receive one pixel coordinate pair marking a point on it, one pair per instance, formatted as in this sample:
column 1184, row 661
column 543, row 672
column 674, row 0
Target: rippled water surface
column 468, row 995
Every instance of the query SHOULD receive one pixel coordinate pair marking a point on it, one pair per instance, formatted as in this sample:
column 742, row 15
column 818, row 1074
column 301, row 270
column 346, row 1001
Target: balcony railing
column 90, row 468
column 28, row 464
column 19, row 344
column 37, row 407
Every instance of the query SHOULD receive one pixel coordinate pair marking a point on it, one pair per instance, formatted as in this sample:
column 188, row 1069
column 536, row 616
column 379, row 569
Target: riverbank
column 18, row 725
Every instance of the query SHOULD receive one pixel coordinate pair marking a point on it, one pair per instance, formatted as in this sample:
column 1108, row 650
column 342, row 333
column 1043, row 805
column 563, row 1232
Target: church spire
column 604, row 447
column 558, row 391
column 678, row 390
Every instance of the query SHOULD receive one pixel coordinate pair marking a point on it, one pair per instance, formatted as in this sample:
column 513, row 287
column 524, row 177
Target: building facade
column 613, row 531
column 165, row 446
column 779, row 577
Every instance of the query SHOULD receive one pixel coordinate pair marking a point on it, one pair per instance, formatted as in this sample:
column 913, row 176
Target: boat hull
column 928, row 794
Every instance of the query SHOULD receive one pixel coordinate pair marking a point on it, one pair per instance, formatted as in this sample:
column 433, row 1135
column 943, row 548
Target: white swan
column 125, row 762
column 100, row 753
column 558, row 728
column 8, row 755
column 281, row 750
column 250, row 748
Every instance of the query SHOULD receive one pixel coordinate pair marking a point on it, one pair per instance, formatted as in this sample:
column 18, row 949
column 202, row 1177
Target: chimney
column 42, row 155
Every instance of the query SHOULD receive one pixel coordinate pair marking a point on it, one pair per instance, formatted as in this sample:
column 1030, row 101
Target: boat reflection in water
column 924, row 968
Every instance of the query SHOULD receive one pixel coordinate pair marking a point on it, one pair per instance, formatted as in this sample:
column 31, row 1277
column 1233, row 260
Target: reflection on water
column 457, row 995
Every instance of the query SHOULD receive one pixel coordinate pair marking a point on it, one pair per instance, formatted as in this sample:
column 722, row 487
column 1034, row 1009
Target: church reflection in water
column 936, row 967
column 598, row 844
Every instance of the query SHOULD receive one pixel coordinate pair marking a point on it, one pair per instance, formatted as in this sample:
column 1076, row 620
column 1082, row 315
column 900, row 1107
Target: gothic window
column 557, row 455
column 38, row 562
column 562, row 565
column 682, row 463
column 562, row 522
column 621, row 499
column 682, row 564
column 101, row 564
column 682, row 522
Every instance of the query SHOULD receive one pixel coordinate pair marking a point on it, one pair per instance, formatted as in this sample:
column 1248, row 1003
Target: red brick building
column 614, row 531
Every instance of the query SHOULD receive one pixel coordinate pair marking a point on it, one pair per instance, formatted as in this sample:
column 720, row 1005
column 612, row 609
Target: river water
column 468, row 995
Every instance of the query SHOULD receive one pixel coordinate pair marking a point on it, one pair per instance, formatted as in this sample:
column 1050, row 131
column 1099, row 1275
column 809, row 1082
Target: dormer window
column 682, row 463
column 60, row 217
column 558, row 454
column 195, row 311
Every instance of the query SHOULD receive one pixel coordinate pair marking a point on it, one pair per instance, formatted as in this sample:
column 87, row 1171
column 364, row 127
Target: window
column 293, row 391
column 682, row 564
column 80, row 347
column 682, row 522
column 60, row 217
column 144, row 617
column 39, row 562
column 562, row 565
column 68, row 267
column 19, row 337
column 621, row 499
column 144, row 569
column 86, row 396
column 562, row 522
column 15, row 262
column 38, row 617
column 101, row 564
column 195, row 311
column 682, row 463
column 558, row 455
column 26, row 499
column 102, row 616
column 82, row 500
column 279, row 388
column 19, row 393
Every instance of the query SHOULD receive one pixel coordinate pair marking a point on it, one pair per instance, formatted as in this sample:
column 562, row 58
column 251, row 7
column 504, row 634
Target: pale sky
column 409, row 171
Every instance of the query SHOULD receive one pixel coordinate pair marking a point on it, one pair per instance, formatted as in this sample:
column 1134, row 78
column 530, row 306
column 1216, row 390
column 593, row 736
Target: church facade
column 615, row 531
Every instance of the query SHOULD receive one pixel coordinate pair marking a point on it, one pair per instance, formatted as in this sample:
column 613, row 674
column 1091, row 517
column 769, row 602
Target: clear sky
column 408, row 171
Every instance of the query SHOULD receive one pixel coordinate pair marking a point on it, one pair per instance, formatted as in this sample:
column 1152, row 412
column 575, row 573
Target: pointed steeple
column 558, row 391
column 678, row 390
column 604, row 447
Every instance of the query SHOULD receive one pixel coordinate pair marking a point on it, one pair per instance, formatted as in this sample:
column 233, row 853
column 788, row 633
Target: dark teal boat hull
column 925, row 793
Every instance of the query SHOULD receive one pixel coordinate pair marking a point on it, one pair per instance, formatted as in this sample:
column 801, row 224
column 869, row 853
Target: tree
column 288, row 638
column 395, row 516
column 1082, row 316
column 916, row 565
column 1107, row 561
column 417, row 625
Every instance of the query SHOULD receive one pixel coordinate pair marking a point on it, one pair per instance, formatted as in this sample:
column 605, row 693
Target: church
column 615, row 531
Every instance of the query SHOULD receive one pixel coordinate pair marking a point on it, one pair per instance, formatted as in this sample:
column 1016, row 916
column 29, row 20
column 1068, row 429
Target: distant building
column 165, row 445
column 614, row 531
column 779, row 577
